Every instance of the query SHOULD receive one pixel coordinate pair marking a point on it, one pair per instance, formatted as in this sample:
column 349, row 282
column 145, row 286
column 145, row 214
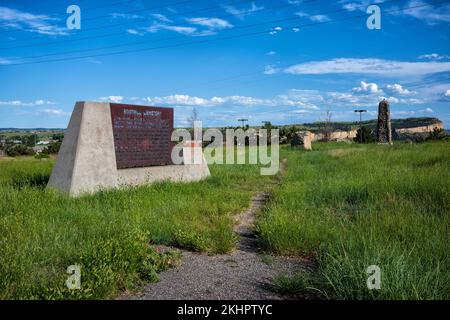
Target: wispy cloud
column 314, row 17
column 431, row 14
column 42, row 24
column 126, row 16
column 19, row 103
column 179, row 29
column 54, row 112
column 212, row 23
column 242, row 12
column 434, row 56
column 195, row 27
column 380, row 67
column 4, row 61
column 114, row 99
column 399, row 89
column 352, row 5
column 161, row 17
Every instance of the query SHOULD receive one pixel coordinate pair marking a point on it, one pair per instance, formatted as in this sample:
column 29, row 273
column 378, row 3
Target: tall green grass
column 108, row 234
column 351, row 206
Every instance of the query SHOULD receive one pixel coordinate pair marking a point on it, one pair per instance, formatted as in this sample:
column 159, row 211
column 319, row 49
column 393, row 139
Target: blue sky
column 284, row 61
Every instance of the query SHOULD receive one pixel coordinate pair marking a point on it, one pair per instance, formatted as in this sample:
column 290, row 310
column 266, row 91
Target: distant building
column 44, row 142
column 38, row 149
column 2, row 153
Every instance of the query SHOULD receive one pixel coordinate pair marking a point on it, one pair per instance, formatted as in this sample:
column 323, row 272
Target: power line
column 109, row 27
column 210, row 40
column 54, row 16
column 163, row 39
column 108, row 16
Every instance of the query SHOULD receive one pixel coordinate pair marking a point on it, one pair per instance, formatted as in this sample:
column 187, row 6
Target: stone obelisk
column 384, row 130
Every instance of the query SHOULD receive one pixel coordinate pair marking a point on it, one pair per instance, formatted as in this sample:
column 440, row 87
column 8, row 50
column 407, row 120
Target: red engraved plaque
column 142, row 135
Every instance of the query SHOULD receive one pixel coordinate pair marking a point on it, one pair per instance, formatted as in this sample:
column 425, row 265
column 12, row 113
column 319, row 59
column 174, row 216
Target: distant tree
column 58, row 136
column 365, row 135
column 326, row 127
column 52, row 148
column 19, row 150
column 29, row 140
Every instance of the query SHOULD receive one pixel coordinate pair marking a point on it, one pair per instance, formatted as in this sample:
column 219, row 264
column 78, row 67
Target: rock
column 302, row 139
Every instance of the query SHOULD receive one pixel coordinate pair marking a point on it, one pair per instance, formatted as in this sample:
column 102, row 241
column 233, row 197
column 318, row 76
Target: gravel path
column 243, row 274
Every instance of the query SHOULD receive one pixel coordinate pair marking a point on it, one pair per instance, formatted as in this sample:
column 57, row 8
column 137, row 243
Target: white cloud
column 4, row 61
column 42, row 24
column 135, row 32
column 403, row 100
column 434, row 56
column 305, row 99
column 54, row 112
column 208, row 26
column 271, row 53
column 313, row 18
column 412, row 112
column 212, row 23
column 20, row 103
column 445, row 96
column 319, row 18
column 296, row 29
column 179, row 29
column 399, row 89
column 387, row 68
column 431, row 14
column 161, row 17
column 368, row 88
column 241, row 13
column 114, row 99
column 125, row 16
column 178, row 99
column 271, row 69
column 278, row 28
column 351, row 5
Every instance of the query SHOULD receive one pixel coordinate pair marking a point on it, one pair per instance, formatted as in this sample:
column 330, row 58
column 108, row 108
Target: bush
column 365, row 135
column 437, row 134
column 52, row 148
column 41, row 155
column 19, row 150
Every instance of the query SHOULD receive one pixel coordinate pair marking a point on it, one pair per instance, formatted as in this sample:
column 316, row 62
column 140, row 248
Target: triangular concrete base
column 87, row 160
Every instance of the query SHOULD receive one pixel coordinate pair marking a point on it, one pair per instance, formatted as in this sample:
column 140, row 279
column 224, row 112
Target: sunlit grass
column 42, row 232
column 348, row 207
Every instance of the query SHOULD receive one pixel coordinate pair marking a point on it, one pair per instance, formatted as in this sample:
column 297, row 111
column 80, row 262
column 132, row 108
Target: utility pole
column 243, row 122
column 360, row 124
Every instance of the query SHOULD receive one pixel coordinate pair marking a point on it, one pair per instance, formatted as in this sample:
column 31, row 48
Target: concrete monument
column 110, row 145
column 384, row 131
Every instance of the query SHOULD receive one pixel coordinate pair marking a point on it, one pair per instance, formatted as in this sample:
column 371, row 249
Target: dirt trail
column 242, row 274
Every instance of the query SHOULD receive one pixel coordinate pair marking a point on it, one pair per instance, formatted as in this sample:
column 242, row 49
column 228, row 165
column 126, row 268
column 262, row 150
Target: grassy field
column 107, row 234
column 351, row 206
column 344, row 206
